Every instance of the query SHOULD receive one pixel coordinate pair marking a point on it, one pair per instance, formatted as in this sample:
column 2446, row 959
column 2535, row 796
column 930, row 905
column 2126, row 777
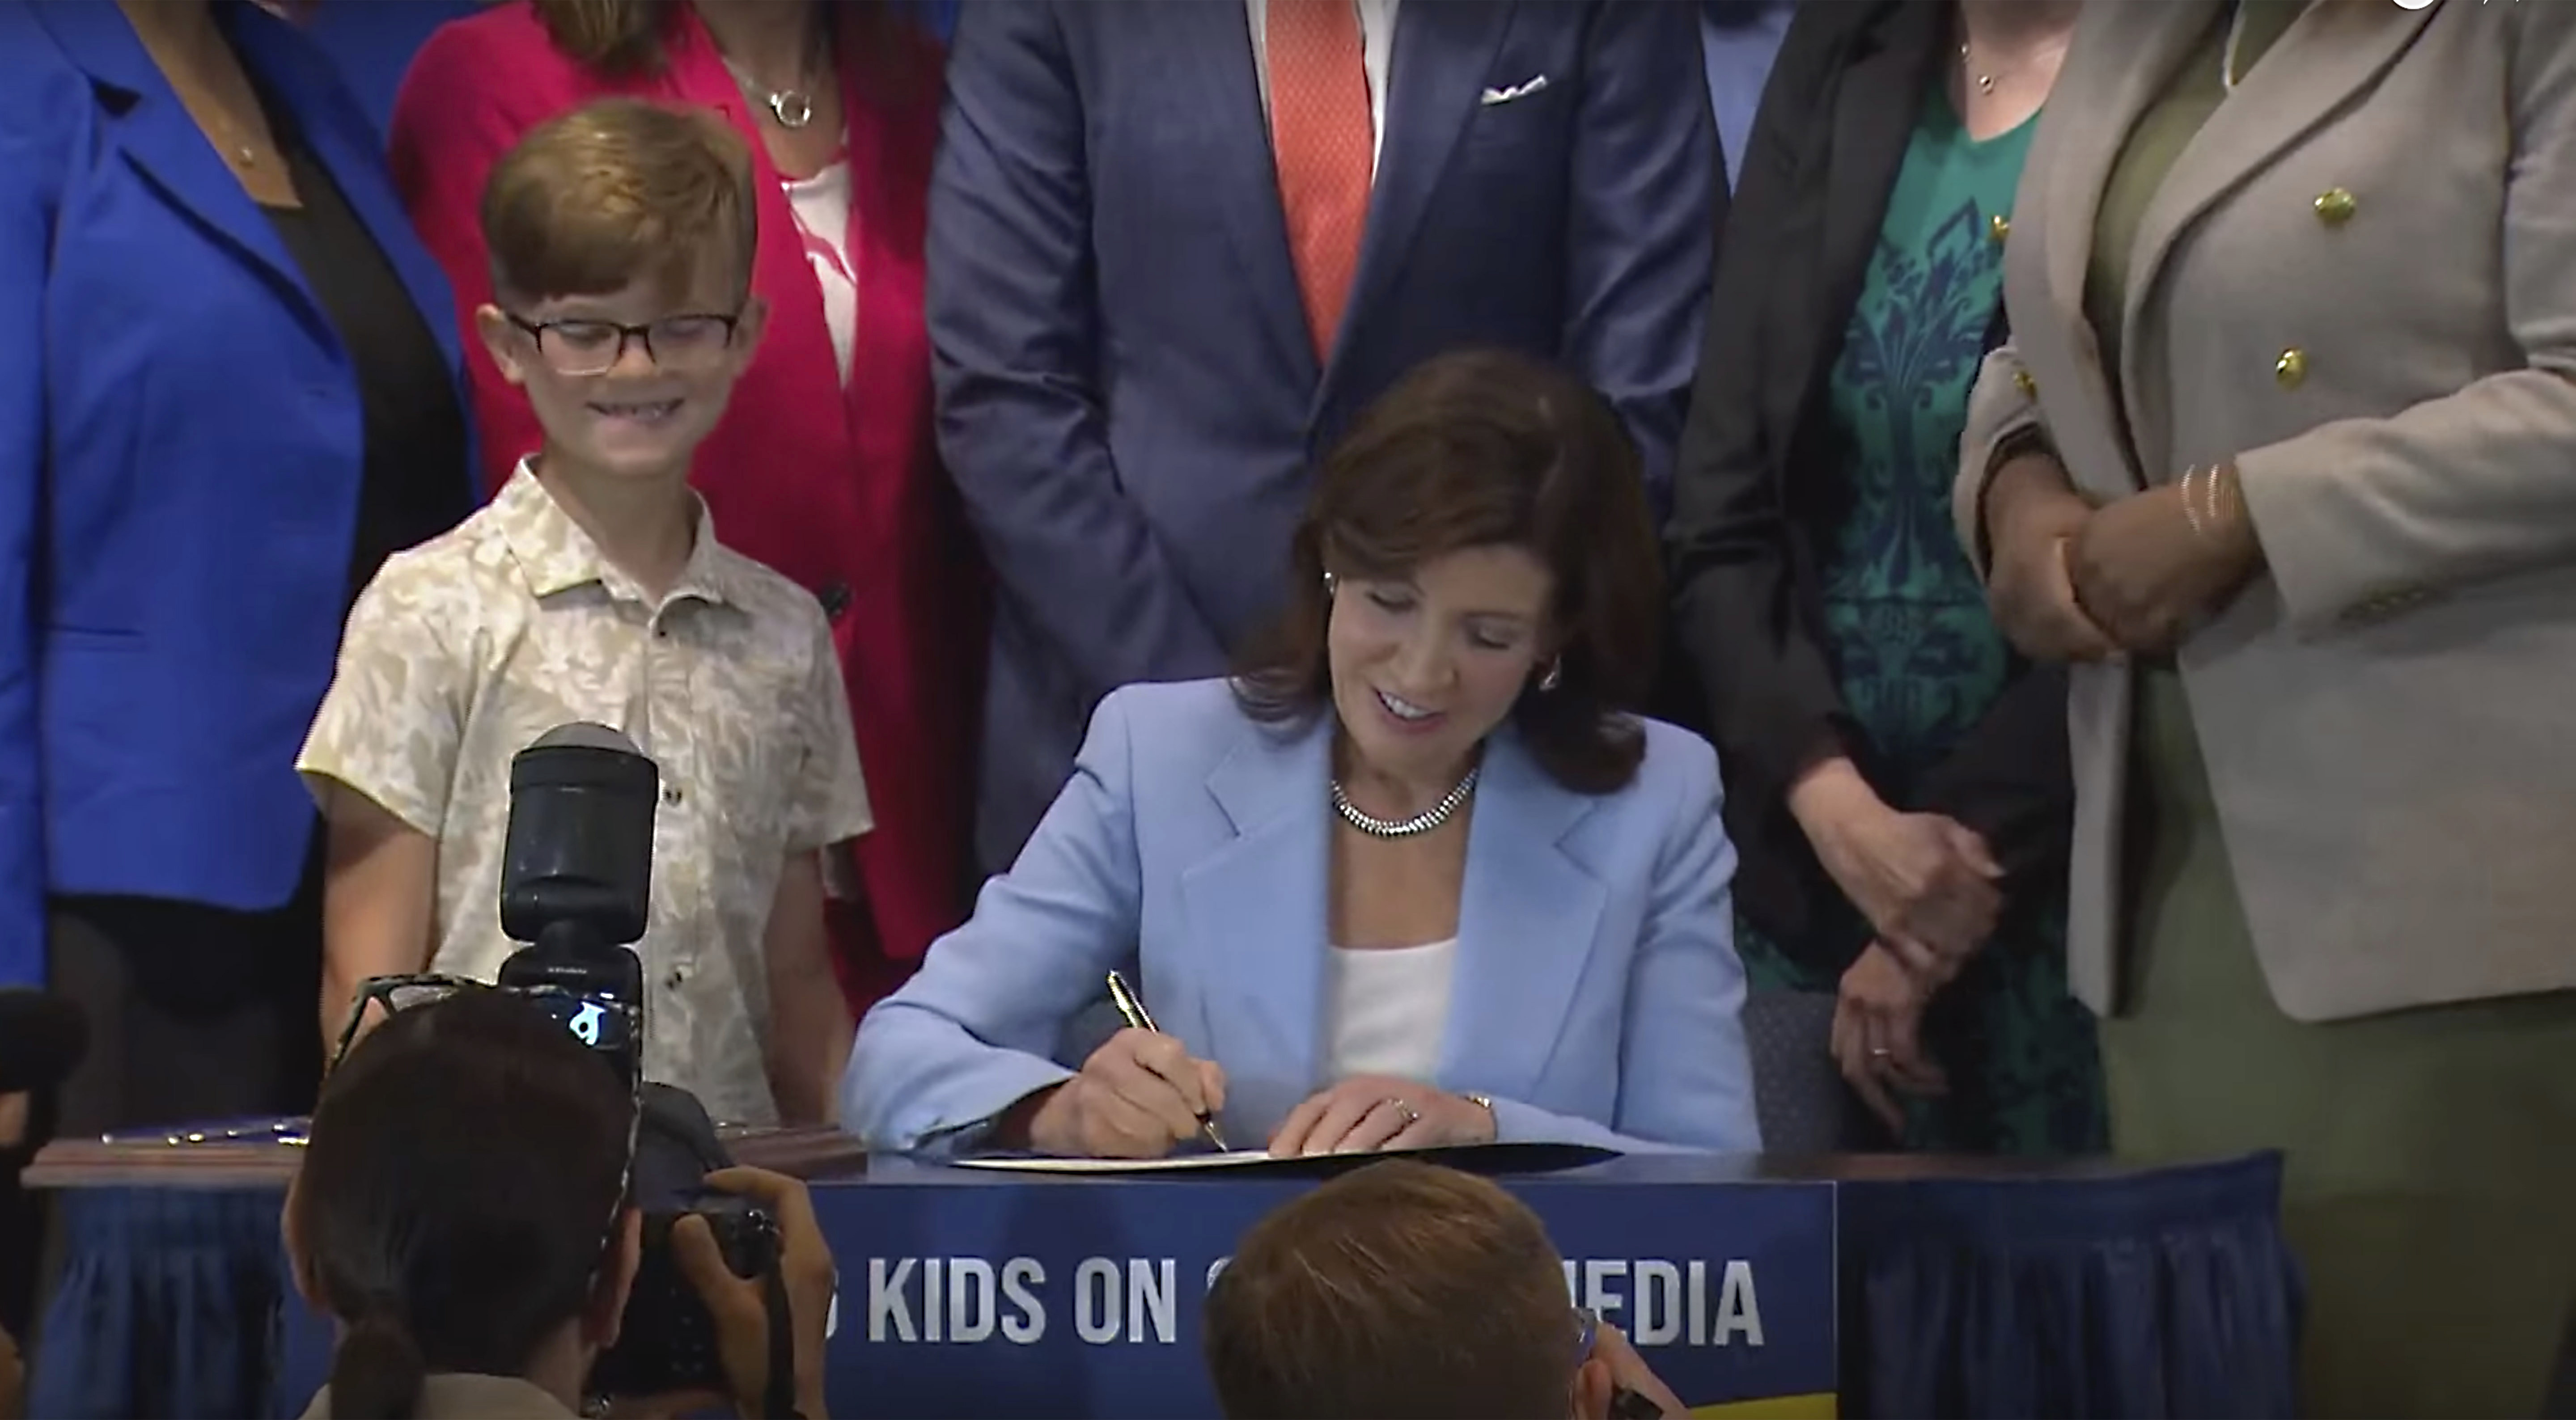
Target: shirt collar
column 555, row 555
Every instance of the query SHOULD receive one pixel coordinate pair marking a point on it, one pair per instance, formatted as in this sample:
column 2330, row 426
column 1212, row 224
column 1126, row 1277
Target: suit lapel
column 1211, row 49
column 1878, row 98
column 2328, row 54
column 1255, row 905
column 2123, row 58
column 1527, row 924
column 1443, row 53
column 288, row 70
column 153, row 130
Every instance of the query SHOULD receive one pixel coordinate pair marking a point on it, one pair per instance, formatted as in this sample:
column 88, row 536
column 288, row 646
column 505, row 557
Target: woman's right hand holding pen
column 1139, row 1095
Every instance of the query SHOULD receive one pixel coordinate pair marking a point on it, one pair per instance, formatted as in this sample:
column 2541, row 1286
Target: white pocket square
column 1521, row 90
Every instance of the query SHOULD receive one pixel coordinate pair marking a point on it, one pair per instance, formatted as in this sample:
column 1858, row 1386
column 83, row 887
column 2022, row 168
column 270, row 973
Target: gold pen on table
column 1132, row 1010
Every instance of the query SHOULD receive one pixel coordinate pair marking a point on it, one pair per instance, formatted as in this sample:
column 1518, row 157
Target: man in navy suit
column 1174, row 248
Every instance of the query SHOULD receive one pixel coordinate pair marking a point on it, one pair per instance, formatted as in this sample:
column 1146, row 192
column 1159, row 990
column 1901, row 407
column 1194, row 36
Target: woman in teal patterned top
column 1883, row 742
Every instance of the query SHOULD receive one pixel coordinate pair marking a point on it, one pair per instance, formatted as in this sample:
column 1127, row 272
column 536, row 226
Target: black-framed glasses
column 593, row 347
column 599, row 1022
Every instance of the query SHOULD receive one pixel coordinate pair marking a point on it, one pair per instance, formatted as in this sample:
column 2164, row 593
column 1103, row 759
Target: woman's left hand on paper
column 1370, row 1112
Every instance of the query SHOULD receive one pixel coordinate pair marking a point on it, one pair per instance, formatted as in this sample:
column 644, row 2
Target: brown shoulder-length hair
column 1485, row 448
column 624, row 38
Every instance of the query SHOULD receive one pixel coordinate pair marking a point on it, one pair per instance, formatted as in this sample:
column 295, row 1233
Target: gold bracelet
column 2226, row 494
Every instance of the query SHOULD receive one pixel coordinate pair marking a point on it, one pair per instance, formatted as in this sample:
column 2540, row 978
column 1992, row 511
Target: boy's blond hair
column 1397, row 1289
column 617, row 191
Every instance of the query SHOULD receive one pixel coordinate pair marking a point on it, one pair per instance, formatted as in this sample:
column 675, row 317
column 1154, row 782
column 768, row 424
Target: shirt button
column 671, row 795
column 673, row 980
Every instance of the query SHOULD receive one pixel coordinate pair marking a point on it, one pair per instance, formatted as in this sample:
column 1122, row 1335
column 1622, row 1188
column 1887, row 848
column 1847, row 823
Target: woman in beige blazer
column 2283, row 454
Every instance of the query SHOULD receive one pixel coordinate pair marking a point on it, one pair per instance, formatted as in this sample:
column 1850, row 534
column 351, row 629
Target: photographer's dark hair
column 1489, row 449
column 456, row 1198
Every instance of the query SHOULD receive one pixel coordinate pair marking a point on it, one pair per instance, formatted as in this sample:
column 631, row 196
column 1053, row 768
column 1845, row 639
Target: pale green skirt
column 2431, row 1189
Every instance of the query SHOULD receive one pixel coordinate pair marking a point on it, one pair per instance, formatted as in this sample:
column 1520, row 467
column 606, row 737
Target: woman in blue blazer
column 1414, row 880
column 227, row 390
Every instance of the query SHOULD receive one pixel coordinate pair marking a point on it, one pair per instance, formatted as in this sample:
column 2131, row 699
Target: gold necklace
column 1985, row 80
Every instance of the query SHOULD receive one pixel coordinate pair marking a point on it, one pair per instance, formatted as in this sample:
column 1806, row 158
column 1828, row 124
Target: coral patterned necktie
column 1323, row 144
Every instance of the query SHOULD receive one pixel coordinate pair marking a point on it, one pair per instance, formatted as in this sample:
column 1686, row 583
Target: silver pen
column 1132, row 1010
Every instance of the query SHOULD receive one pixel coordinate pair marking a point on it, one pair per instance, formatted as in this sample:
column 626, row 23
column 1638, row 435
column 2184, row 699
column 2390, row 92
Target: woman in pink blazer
column 824, row 467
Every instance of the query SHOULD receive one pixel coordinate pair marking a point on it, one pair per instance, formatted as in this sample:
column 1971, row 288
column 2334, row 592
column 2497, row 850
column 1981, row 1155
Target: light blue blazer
column 1597, row 990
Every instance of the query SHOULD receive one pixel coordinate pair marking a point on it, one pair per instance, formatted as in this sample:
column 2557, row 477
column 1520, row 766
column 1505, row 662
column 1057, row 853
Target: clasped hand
column 2072, row 582
column 1926, row 882
column 1929, row 888
column 1877, row 1038
column 2146, row 575
column 1931, row 891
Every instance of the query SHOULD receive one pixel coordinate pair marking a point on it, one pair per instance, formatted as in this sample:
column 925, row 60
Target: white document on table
column 1175, row 1163
column 1535, row 1156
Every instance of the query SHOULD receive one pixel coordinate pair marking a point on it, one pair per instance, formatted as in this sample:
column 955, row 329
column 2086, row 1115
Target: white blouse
column 822, row 207
column 1387, row 1011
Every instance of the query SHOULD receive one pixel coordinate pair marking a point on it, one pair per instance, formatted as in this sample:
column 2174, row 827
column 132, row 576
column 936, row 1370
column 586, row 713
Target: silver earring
column 1330, row 583
column 1555, row 675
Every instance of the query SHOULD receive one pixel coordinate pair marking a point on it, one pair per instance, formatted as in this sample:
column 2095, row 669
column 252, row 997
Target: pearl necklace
column 1422, row 822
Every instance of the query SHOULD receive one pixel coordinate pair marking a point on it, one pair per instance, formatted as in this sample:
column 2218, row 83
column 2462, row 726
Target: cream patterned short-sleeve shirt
column 465, row 649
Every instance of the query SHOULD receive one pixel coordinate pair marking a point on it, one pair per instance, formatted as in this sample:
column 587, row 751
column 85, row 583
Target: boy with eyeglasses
column 593, row 588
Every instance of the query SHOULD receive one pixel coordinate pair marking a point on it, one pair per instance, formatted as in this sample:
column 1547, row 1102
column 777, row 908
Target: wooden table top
column 265, row 1156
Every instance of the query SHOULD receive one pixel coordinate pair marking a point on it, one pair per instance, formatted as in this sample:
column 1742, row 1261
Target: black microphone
column 42, row 1036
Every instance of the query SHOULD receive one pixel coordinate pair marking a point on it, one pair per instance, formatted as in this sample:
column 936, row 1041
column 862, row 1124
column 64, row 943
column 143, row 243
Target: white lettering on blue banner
column 1135, row 1301
column 1662, row 1303
column 965, row 1300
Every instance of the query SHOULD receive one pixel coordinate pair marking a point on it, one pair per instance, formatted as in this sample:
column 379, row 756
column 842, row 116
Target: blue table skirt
column 2114, row 1294
column 2164, row 1293
column 167, row 1307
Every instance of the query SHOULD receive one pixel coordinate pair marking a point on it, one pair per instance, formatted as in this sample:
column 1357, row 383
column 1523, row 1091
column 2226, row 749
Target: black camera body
column 576, row 880
column 668, row 1341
